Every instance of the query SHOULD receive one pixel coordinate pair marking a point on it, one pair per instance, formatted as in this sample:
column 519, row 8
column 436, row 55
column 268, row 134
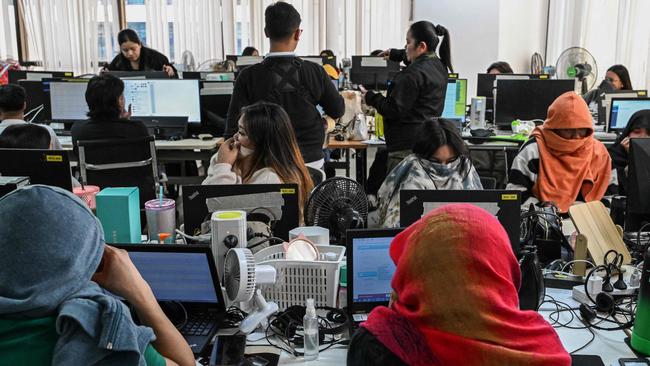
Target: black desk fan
column 337, row 204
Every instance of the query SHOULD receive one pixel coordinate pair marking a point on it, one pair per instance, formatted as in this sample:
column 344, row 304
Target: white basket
column 296, row 281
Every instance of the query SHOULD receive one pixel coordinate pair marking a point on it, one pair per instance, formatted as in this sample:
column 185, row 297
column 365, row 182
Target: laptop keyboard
column 200, row 324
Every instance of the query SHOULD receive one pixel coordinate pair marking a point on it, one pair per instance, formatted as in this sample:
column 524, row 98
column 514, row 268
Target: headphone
column 286, row 324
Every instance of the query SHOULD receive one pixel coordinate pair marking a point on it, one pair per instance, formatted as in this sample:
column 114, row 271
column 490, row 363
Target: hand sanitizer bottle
column 310, row 326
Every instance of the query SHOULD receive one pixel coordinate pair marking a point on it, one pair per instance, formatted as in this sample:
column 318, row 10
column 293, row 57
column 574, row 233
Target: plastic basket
column 296, row 281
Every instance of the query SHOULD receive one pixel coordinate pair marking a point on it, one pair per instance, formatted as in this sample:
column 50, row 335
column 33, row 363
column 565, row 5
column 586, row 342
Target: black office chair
column 120, row 163
column 316, row 175
column 488, row 182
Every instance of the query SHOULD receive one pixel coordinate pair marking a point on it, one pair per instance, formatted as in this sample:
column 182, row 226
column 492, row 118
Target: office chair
column 316, row 175
column 488, row 182
column 120, row 163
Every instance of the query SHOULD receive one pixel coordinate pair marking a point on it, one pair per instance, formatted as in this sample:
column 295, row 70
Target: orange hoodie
column 569, row 167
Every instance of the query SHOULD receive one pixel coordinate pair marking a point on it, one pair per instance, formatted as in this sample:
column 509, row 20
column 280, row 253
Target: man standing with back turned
column 297, row 85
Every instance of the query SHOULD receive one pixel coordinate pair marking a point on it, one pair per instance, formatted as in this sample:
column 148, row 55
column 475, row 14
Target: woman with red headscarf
column 455, row 300
column 563, row 162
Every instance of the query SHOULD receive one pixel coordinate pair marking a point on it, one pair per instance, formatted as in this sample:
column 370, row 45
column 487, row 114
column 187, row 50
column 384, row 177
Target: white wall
column 474, row 31
column 485, row 31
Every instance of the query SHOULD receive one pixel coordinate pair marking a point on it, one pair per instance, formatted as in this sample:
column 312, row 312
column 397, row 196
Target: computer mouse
column 205, row 136
column 175, row 138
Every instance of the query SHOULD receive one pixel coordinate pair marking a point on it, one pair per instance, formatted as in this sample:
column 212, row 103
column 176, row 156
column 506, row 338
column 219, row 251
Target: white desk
column 184, row 144
column 609, row 345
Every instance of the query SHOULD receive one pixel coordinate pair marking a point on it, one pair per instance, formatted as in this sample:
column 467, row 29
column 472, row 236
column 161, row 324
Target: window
column 8, row 43
column 138, row 13
column 140, row 28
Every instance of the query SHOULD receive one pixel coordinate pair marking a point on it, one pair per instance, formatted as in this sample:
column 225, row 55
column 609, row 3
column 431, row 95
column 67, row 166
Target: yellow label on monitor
column 287, row 191
column 67, row 74
column 452, row 76
column 641, row 93
column 543, row 76
column 508, row 197
column 54, row 158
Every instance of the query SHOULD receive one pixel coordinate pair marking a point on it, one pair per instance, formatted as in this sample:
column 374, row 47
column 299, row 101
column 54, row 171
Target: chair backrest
column 488, row 182
column 317, row 175
column 120, row 163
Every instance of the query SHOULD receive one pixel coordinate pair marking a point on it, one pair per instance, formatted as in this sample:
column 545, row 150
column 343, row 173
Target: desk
column 609, row 345
column 361, row 158
column 174, row 151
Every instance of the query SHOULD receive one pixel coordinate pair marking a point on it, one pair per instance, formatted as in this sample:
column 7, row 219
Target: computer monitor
column 455, row 99
column 16, row 75
column 277, row 203
column 373, row 72
column 605, row 102
column 505, row 205
column 370, row 268
column 527, row 99
column 182, row 273
column 50, row 167
column 321, row 60
column 244, row 61
column 68, row 100
column 139, row 74
column 622, row 109
column 163, row 98
column 485, row 87
column 209, row 75
column 215, row 97
column 38, row 96
column 638, row 194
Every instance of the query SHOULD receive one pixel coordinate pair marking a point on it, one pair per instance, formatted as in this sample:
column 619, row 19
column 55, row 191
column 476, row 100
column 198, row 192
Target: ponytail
column 445, row 47
column 424, row 31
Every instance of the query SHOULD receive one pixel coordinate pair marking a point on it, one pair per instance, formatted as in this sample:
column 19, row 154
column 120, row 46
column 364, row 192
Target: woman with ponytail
column 417, row 93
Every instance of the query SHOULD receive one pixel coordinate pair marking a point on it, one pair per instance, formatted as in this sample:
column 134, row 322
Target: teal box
column 118, row 209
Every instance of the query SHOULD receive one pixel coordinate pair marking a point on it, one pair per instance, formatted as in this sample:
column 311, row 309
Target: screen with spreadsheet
column 163, row 98
column 455, row 99
column 175, row 276
column 68, row 100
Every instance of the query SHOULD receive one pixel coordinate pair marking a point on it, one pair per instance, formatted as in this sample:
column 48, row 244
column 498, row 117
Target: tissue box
column 118, row 209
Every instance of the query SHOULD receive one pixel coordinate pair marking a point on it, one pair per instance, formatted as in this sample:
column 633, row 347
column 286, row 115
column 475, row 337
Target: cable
column 200, row 239
column 576, row 261
column 267, row 239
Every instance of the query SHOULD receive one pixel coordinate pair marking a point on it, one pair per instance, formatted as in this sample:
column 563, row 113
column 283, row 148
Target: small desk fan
column 241, row 276
column 337, row 204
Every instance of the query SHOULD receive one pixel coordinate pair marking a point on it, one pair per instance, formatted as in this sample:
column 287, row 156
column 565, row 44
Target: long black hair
column 437, row 132
column 269, row 128
column 623, row 74
column 128, row 35
column 103, row 97
column 425, row 31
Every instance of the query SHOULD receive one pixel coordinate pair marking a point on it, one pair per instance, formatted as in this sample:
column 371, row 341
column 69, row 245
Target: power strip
column 579, row 295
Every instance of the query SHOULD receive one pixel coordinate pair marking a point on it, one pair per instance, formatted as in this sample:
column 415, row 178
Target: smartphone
column 228, row 350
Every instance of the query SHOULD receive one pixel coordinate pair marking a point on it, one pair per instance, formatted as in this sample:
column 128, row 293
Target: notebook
column 370, row 270
column 185, row 275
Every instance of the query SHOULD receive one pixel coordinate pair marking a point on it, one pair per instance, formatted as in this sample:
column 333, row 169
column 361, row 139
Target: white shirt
column 56, row 144
column 281, row 54
column 222, row 173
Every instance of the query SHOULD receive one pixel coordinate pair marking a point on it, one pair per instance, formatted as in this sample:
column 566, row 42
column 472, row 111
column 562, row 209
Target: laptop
column 184, row 274
column 370, row 271
column 49, row 167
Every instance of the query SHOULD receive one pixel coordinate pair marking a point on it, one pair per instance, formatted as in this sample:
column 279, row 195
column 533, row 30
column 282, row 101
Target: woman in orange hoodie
column 562, row 162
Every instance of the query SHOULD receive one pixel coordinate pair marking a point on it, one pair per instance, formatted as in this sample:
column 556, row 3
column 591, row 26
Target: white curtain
column 158, row 18
column 63, row 34
column 613, row 31
column 8, row 45
column 346, row 27
column 197, row 29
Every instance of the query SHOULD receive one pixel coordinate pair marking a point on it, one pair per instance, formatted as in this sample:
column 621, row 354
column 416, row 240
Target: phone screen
column 228, row 350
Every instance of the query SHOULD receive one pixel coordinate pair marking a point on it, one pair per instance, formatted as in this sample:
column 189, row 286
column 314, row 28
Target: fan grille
column 233, row 274
column 333, row 196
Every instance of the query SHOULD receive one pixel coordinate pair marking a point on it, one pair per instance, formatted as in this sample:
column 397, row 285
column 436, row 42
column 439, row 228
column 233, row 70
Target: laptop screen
column 373, row 269
column 175, row 276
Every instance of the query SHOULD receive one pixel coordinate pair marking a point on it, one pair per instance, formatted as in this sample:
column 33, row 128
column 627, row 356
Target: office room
column 324, row 182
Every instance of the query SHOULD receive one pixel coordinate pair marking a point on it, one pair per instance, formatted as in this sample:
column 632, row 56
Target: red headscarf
column 455, row 291
column 567, row 167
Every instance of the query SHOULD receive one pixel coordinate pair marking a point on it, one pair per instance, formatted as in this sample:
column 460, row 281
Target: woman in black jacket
column 417, row 93
column 134, row 56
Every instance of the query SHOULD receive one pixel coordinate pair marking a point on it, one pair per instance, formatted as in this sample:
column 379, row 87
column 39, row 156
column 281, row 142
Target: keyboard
column 200, row 324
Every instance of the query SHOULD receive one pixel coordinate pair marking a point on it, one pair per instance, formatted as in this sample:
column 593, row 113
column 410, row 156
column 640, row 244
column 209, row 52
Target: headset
column 288, row 323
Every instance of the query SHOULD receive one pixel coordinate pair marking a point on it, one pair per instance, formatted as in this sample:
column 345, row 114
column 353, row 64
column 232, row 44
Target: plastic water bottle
column 310, row 326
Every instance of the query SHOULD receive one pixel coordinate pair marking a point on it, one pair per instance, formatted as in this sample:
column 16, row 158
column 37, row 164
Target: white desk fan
column 241, row 276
